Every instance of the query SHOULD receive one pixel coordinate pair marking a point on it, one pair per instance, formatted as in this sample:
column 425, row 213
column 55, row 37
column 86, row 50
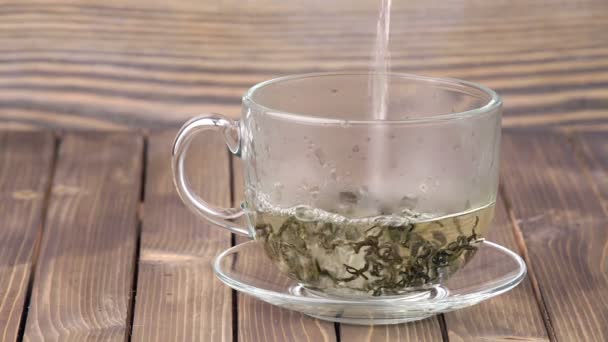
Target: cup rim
column 492, row 104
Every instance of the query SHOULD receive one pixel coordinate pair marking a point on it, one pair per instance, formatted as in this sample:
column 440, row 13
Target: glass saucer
column 494, row 270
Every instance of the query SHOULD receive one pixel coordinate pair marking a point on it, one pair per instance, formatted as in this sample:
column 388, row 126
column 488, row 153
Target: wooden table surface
column 96, row 246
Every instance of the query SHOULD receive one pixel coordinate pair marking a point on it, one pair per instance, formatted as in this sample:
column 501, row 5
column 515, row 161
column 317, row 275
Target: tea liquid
column 378, row 255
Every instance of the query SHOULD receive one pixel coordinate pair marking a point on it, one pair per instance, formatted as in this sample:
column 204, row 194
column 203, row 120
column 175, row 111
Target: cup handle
column 230, row 129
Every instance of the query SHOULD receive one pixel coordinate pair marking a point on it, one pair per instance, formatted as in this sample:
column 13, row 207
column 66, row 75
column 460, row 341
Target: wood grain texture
column 132, row 64
column 82, row 285
column 514, row 315
column 594, row 149
column 25, row 170
column 425, row 330
column 260, row 321
column 563, row 223
column 178, row 296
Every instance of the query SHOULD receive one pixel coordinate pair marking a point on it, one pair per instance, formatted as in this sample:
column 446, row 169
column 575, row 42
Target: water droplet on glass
column 423, row 187
column 320, row 156
column 430, row 183
column 409, row 201
column 363, row 191
column 314, row 191
column 278, row 191
column 333, row 175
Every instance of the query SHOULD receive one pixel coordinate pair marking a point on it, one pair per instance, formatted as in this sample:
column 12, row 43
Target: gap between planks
column 37, row 244
column 444, row 328
column 523, row 251
column 140, row 217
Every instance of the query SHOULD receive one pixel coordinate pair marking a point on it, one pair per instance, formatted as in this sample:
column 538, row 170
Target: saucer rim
column 499, row 286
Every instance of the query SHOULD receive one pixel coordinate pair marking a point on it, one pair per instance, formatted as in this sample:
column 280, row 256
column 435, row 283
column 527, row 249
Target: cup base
column 435, row 292
column 371, row 320
column 495, row 270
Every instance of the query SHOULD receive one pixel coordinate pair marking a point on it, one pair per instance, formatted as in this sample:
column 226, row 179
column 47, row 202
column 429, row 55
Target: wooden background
column 97, row 246
column 135, row 64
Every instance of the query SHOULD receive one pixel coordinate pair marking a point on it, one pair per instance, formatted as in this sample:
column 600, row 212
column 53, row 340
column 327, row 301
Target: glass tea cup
column 350, row 203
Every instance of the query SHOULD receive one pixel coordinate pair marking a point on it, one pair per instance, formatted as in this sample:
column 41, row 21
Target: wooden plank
column 260, row 321
column 82, row 285
column 594, row 149
column 514, row 315
column 563, row 224
column 425, row 330
column 26, row 161
column 178, row 297
column 117, row 64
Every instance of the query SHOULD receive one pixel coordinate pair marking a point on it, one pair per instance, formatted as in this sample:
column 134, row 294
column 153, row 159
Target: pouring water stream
column 379, row 93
